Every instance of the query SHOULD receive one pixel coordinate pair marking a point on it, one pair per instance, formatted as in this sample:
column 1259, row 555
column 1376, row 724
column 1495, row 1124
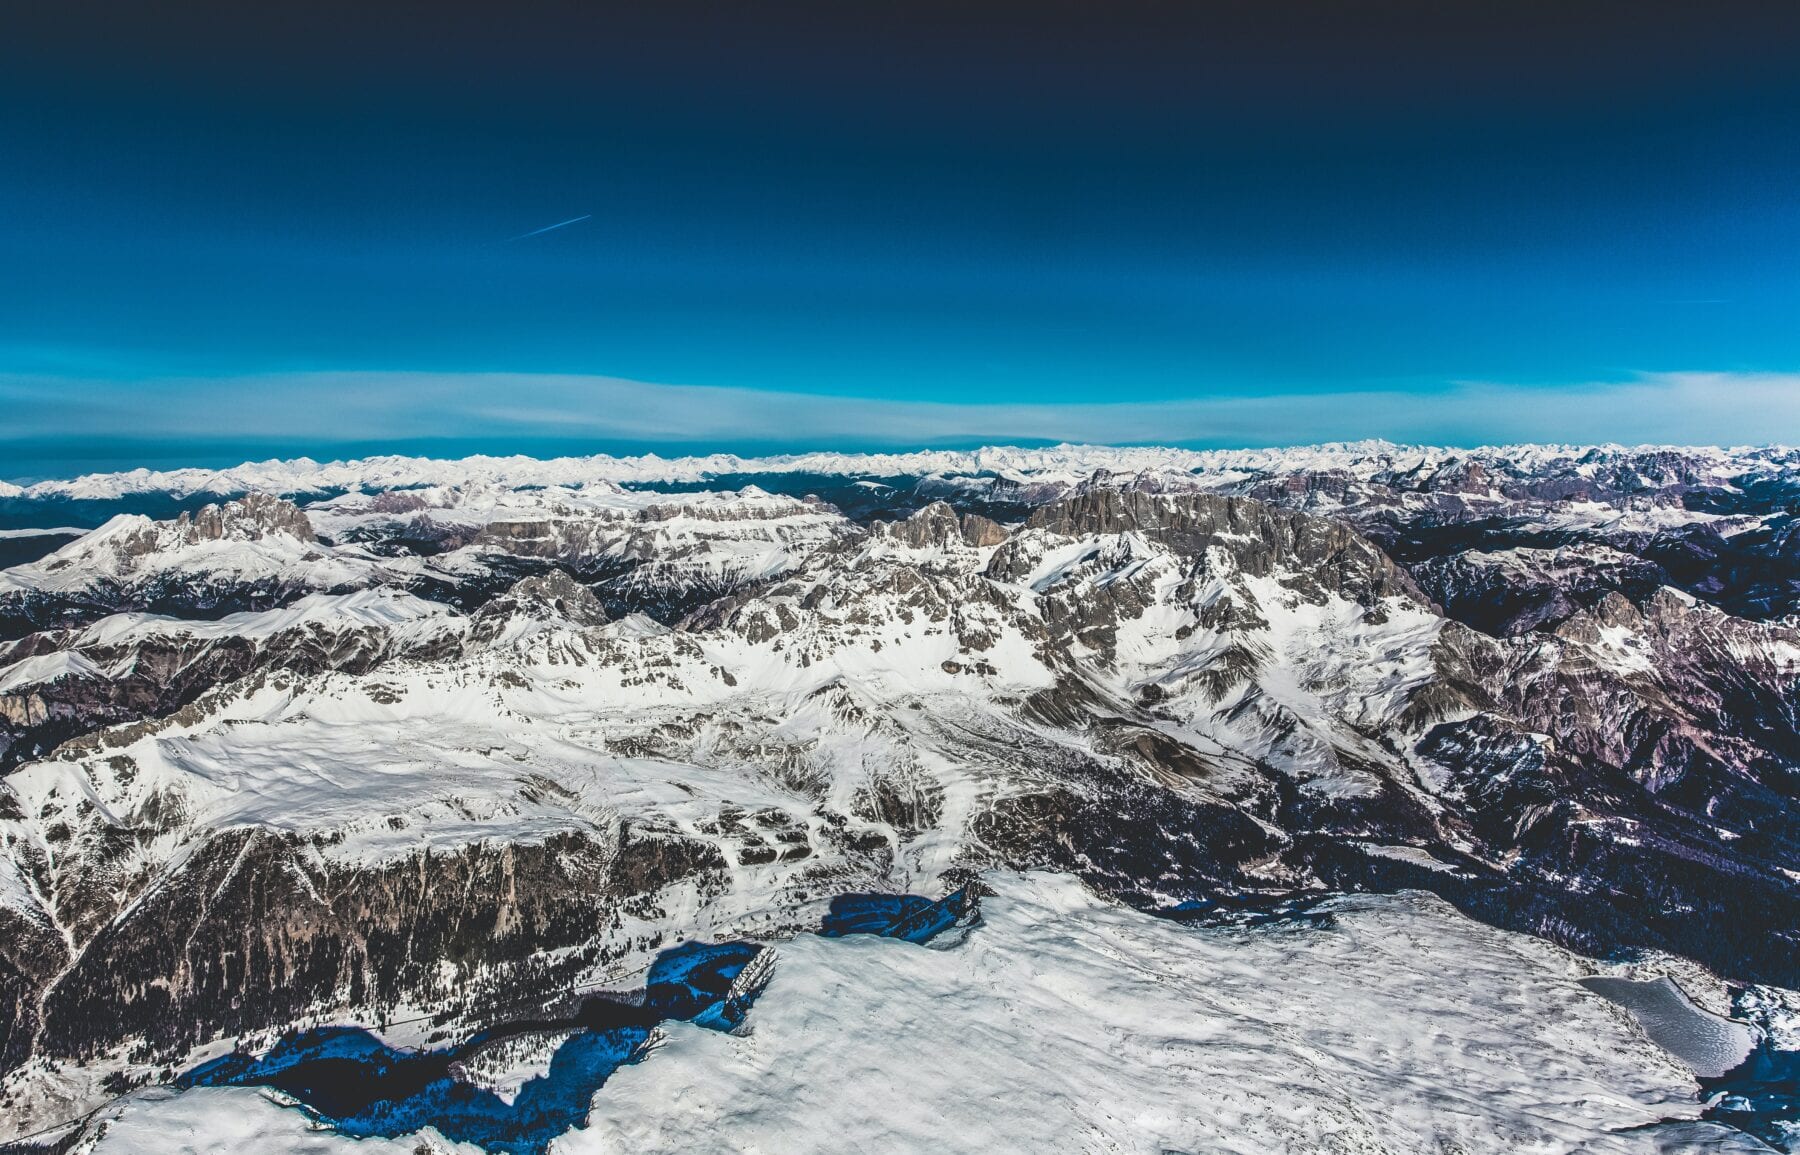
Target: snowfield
column 1066, row 1023
column 1063, row 1022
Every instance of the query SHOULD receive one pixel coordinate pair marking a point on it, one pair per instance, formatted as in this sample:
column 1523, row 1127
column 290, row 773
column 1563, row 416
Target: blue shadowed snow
column 1752, row 1088
column 358, row 1085
column 905, row 916
column 1761, row 1096
column 1245, row 910
column 691, row 981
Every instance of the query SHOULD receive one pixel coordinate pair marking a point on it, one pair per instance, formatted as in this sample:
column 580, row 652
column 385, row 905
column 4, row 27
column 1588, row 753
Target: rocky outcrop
column 250, row 518
column 260, row 928
column 669, row 557
column 255, row 553
column 56, row 685
column 32, row 953
column 1519, row 590
column 553, row 598
column 939, row 526
column 1315, row 553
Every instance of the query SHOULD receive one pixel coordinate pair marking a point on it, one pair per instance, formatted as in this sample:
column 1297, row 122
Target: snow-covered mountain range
column 404, row 743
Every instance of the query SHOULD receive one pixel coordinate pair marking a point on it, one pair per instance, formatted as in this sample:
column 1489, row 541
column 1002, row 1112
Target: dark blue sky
column 1260, row 214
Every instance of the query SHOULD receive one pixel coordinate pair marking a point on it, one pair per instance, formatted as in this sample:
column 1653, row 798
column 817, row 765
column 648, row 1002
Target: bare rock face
column 982, row 532
column 59, row 684
column 1519, row 590
column 253, row 553
column 935, row 526
column 669, row 557
column 551, row 597
column 249, row 518
column 253, row 517
column 262, row 927
column 1646, row 749
column 1259, row 537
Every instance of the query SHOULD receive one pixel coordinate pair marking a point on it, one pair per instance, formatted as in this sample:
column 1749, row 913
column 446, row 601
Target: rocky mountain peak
column 1260, row 539
column 249, row 518
column 938, row 525
column 982, row 532
column 548, row 598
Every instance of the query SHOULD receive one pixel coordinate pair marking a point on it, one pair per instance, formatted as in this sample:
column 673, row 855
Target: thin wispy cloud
column 552, row 228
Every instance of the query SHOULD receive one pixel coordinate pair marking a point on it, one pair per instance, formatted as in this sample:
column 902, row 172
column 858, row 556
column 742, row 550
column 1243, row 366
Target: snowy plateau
column 1352, row 798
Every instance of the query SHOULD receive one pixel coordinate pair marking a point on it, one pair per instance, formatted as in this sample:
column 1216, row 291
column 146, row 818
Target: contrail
column 557, row 225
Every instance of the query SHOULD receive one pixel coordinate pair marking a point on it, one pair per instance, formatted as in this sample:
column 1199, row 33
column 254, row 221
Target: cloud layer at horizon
column 500, row 410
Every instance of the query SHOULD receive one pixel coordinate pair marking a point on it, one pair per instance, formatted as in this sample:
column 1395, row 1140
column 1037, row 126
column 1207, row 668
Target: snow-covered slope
column 252, row 553
column 1063, row 1023
column 477, row 768
column 56, row 684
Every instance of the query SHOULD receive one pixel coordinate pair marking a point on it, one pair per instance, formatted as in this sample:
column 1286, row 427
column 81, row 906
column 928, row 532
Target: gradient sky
column 231, row 230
